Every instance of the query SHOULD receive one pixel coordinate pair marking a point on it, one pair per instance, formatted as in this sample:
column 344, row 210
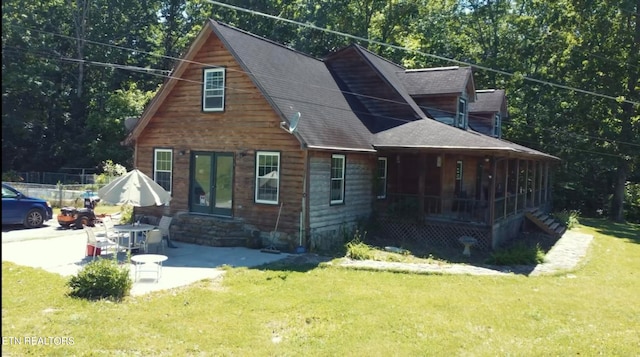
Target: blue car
column 20, row 209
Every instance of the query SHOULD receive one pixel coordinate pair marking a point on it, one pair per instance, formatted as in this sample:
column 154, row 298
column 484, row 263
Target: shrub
column 126, row 214
column 568, row 218
column 358, row 250
column 101, row 279
column 518, row 254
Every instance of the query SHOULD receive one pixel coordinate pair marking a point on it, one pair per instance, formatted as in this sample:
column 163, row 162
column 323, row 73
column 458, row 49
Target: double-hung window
column 381, row 174
column 267, row 176
column 213, row 90
column 163, row 167
column 461, row 121
column 337, row 179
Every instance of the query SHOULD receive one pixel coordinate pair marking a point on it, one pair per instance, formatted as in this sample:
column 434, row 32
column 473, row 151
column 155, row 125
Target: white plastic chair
column 163, row 225
column 153, row 239
column 109, row 232
column 102, row 243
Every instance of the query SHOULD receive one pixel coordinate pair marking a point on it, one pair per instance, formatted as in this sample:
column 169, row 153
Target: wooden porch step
column 546, row 223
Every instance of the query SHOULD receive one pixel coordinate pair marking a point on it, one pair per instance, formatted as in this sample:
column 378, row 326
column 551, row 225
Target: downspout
column 304, row 219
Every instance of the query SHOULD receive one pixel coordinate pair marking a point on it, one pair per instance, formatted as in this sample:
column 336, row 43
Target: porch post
column 442, row 177
column 506, row 186
column 517, row 183
column 526, row 184
column 546, row 182
column 534, row 184
column 540, row 183
column 422, row 166
column 492, row 194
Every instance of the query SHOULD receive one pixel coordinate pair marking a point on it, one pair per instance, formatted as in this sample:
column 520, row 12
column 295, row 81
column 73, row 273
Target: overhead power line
column 169, row 76
column 359, row 38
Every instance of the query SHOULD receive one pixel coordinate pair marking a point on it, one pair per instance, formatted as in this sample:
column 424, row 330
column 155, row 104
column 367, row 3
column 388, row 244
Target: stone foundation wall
column 225, row 232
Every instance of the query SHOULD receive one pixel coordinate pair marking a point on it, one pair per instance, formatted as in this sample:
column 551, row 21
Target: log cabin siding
column 247, row 124
column 327, row 221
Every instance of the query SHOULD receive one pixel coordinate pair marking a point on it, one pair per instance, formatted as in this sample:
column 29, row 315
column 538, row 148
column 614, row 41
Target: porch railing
column 414, row 207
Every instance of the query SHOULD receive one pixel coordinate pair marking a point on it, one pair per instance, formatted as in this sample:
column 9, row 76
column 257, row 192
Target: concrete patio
column 65, row 253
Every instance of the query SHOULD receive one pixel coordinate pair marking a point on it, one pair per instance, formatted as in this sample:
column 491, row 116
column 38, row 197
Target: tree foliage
column 74, row 70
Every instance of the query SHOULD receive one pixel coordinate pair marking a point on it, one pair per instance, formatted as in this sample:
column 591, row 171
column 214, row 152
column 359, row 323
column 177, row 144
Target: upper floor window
column 163, row 167
column 381, row 188
column 497, row 130
column 267, row 176
column 461, row 120
column 213, row 90
column 337, row 179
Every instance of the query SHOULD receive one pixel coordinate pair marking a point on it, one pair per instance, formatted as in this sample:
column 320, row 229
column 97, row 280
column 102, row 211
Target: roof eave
column 510, row 152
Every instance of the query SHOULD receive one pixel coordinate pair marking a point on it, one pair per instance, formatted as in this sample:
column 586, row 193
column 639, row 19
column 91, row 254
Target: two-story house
column 251, row 137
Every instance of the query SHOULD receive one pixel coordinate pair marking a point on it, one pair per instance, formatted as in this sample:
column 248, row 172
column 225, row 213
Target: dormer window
column 461, row 120
column 213, row 90
column 497, row 123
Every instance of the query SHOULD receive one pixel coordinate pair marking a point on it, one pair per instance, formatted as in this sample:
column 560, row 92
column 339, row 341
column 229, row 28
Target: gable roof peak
column 365, row 53
column 223, row 24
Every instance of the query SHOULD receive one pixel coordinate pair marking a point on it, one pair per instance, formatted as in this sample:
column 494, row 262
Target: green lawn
column 327, row 311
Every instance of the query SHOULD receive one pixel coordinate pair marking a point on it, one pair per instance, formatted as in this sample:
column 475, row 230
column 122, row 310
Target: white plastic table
column 133, row 230
column 151, row 263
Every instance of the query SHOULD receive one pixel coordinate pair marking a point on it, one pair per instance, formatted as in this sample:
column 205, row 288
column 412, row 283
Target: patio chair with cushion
column 100, row 244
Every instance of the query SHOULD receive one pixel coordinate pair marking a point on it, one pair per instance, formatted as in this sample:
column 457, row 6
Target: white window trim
column 204, row 90
column 344, row 161
column 156, row 170
column 461, row 118
column 383, row 178
column 497, row 126
column 257, row 179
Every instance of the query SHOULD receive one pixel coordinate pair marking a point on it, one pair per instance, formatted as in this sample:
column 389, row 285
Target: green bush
column 358, row 250
column 518, row 254
column 126, row 214
column 101, row 279
column 568, row 218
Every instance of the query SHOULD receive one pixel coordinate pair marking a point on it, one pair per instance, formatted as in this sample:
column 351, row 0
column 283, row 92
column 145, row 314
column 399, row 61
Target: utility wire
column 359, row 38
column 147, row 70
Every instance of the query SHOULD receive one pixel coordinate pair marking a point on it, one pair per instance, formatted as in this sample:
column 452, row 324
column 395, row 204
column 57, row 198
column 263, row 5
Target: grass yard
column 327, row 311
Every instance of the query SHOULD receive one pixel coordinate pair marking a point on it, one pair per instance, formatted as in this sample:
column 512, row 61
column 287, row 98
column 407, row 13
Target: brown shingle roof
column 295, row 82
column 443, row 80
column 489, row 101
column 431, row 134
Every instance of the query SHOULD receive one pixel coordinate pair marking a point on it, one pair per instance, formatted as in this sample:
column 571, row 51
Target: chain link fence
column 57, row 195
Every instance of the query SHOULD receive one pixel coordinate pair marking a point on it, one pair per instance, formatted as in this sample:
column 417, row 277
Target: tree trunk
column 617, row 202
